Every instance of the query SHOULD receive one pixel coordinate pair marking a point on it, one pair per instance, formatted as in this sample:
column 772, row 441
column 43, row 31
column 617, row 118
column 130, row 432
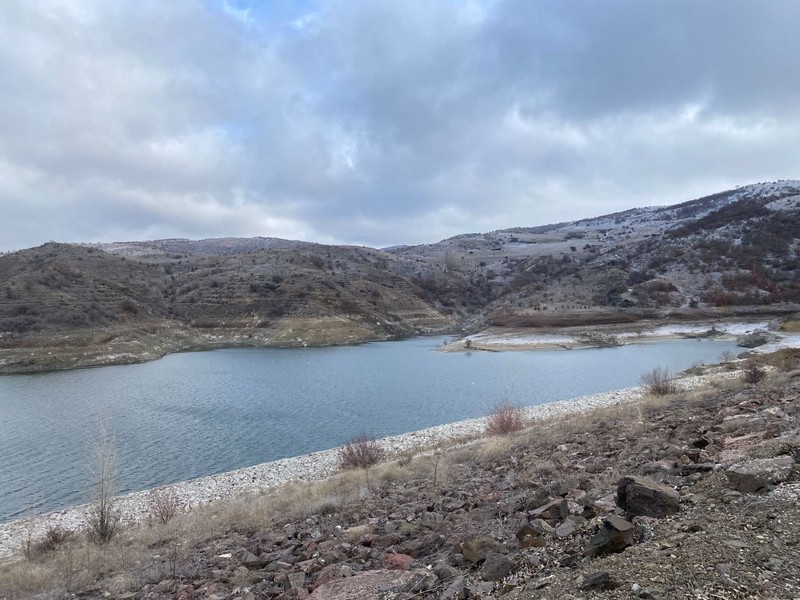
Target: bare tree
column 103, row 516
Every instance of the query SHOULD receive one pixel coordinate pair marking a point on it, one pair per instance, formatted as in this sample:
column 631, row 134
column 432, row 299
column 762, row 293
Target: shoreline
column 509, row 339
column 72, row 350
column 135, row 508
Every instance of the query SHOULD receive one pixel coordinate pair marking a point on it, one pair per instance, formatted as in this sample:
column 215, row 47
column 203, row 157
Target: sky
column 382, row 122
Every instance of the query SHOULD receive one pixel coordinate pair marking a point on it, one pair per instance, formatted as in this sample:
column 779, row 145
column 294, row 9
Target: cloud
column 381, row 123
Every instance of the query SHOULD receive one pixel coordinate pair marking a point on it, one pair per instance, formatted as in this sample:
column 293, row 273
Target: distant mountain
column 735, row 248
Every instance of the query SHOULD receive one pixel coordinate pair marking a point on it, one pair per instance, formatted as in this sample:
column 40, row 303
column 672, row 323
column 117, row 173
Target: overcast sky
column 382, row 122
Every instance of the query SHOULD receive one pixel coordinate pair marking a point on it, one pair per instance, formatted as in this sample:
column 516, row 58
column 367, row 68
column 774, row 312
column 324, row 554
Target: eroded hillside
column 64, row 305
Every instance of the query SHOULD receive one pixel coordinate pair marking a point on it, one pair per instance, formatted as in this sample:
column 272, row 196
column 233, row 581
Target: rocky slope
column 692, row 495
column 64, row 306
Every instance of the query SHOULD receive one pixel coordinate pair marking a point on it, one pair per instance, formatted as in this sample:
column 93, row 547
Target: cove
column 196, row 414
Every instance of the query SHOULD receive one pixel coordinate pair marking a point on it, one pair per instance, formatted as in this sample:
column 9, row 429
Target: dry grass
column 361, row 452
column 505, row 419
column 165, row 505
column 658, row 382
column 752, row 373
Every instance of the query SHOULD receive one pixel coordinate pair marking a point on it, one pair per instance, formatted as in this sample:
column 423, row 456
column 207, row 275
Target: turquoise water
column 196, row 414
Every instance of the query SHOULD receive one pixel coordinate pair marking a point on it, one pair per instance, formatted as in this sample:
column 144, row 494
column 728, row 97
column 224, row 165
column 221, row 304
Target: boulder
column 614, row 535
column 555, row 510
column 640, row 496
column 753, row 475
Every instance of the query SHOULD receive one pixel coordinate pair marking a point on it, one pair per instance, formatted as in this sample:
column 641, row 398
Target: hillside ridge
column 72, row 305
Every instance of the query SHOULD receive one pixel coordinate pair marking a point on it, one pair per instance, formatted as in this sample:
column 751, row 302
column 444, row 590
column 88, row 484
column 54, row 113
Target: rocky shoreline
column 136, row 507
column 500, row 339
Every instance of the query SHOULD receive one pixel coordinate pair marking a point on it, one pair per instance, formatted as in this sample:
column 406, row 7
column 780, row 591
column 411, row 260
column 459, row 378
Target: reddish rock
column 397, row 561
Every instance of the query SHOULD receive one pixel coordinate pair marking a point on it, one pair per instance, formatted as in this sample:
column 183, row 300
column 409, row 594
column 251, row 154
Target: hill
column 64, row 305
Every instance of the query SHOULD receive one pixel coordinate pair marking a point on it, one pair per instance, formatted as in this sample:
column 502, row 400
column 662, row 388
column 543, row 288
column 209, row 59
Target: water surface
column 196, row 414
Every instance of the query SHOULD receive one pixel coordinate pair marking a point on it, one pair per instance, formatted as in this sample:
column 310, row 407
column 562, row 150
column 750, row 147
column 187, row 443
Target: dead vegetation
column 360, row 452
column 659, row 382
column 165, row 505
column 506, row 418
column 752, row 372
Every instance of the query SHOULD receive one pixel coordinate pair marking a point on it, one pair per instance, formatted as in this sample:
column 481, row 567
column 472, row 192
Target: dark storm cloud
column 381, row 123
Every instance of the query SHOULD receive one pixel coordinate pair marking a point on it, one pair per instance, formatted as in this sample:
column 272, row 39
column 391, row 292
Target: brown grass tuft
column 752, row 373
column 165, row 505
column 658, row 382
column 506, row 418
column 361, row 452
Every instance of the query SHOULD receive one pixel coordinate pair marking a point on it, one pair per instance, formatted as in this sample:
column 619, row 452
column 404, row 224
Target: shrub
column 164, row 505
column 103, row 517
column 53, row 539
column 658, row 382
column 506, row 418
column 361, row 452
column 752, row 373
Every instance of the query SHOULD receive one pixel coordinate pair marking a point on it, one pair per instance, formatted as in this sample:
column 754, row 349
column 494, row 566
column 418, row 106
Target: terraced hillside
column 65, row 305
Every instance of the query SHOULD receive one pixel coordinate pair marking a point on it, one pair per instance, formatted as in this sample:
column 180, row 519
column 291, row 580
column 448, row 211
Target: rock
column 753, row 475
column 600, row 580
column 296, row 581
column 496, row 566
column 529, row 538
column 541, row 527
column 253, row 562
column 659, row 466
column 445, row 572
column 332, row 573
column 369, row 585
column 420, row 581
column 694, row 469
column 566, row 529
column 614, row 535
column 639, row 496
column 476, row 550
column 481, row 590
column 397, row 561
column 555, row 510
column 456, row 590
column 423, row 545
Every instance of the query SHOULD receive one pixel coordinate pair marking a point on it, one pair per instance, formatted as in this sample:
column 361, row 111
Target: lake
column 196, row 414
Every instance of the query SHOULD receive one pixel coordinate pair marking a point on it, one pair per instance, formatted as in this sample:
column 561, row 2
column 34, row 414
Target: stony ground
column 708, row 509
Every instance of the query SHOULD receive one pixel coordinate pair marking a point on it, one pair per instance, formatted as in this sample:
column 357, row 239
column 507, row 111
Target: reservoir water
column 196, row 414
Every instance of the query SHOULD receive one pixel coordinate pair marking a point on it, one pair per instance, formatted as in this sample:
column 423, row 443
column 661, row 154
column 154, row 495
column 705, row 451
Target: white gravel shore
column 317, row 465
column 510, row 339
